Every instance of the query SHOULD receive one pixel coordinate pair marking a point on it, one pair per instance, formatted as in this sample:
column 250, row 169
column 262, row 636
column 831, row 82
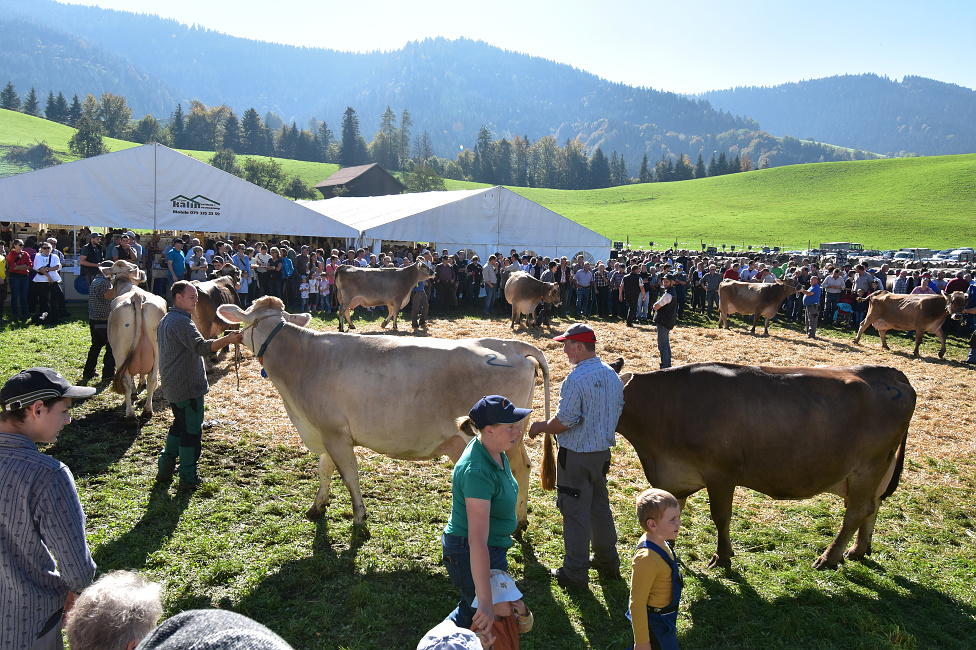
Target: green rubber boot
column 167, row 459
column 189, row 480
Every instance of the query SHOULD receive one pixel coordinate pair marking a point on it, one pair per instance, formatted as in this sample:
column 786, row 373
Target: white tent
column 484, row 221
column 155, row 187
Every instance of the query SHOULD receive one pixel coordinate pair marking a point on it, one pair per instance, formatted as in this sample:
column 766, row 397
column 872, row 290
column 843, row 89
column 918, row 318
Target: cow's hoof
column 941, row 354
column 824, row 564
column 719, row 563
column 855, row 554
column 314, row 513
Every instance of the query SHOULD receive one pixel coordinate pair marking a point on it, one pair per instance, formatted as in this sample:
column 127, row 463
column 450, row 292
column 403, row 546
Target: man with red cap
column 590, row 401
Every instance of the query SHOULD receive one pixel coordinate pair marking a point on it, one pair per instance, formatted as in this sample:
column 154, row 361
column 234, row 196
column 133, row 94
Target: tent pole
column 155, row 149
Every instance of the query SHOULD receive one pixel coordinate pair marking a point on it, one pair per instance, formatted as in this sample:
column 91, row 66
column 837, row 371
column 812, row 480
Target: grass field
column 242, row 542
column 924, row 202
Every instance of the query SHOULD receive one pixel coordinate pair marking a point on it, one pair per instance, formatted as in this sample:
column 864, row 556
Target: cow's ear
column 299, row 319
column 625, row 378
column 231, row 313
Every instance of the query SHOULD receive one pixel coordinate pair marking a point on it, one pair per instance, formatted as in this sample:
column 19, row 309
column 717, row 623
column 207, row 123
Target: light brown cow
column 756, row 298
column 920, row 312
column 790, row 433
column 359, row 287
column 376, row 392
column 524, row 292
column 132, row 333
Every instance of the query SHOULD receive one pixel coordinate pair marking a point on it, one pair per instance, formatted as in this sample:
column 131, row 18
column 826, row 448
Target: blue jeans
column 457, row 560
column 490, row 299
column 19, row 285
column 583, row 300
column 664, row 346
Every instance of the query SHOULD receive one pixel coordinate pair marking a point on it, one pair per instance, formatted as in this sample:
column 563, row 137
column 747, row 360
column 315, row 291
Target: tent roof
column 155, row 187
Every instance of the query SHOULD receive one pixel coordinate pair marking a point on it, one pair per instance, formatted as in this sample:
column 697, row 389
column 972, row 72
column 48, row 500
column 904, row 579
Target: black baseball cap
column 495, row 409
column 33, row 384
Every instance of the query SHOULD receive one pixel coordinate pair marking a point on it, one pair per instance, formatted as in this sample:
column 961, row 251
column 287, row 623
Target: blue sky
column 683, row 47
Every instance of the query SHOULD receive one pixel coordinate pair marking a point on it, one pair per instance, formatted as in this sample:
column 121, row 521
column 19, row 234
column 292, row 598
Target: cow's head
column 424, row 270
column 551, row 293
column 956, row 303
column 267, row 307
column 123, row 271
column 230, row 271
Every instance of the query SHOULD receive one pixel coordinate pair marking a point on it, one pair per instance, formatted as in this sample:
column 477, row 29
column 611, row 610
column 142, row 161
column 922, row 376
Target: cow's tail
column 118, row 384
column 547, row 472
column 899, row 465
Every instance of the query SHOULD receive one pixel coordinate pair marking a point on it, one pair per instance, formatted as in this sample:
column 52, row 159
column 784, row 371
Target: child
column 313, row 291
column 512, row 617
column 303, row 291
column 324, row 293
column 656, row 582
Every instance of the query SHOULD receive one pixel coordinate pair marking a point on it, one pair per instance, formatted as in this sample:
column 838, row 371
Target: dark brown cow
column 222, row 290
column 920, row 312
column 360, row 287
column 790, row 433
column 756, row 298
column 524, row 292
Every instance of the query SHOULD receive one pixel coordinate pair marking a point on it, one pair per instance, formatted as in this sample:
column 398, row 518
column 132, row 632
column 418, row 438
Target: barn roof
column 349, row 174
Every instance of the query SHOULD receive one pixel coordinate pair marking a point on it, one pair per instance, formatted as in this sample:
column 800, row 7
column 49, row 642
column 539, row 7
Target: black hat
column 217, row 259
column 495, row 409
column 33, row 384
column 177, row 240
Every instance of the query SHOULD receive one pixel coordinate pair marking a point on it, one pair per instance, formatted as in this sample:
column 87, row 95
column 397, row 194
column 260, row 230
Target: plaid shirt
column 600, row 279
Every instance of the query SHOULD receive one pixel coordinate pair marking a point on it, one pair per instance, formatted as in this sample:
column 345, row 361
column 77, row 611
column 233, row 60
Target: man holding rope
column 184, row 380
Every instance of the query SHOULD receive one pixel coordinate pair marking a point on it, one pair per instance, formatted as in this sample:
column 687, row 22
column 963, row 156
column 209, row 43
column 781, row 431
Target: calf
column 359, row 287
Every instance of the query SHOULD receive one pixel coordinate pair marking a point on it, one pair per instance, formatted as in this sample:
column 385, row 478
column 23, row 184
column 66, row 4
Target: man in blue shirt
column 590, row 401
column 176, row 265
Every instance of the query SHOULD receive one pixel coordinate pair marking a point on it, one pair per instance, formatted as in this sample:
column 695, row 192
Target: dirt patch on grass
column 941, row 429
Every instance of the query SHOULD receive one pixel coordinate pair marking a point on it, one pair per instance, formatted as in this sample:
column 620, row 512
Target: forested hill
column 915, row 115
column 451, row 88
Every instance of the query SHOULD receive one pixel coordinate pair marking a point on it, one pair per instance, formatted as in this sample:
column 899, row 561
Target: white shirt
column 40, row 261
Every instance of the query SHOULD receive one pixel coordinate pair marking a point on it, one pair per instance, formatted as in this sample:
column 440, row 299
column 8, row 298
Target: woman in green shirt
column 484, row 492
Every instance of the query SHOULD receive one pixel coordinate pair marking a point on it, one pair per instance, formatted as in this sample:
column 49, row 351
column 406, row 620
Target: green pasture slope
column 242, row 542
column 929, row 202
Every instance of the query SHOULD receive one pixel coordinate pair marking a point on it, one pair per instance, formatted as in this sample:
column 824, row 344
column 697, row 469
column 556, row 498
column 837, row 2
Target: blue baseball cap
column 495, row 409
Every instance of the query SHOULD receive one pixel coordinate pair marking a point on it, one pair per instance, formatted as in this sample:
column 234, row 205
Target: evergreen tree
column 723, row 166
column 387, row 149
column 683, row 171
column 325, row 141
column 644, row 175
column 484, row 154
column 520, row 161
column 700, row 167
column 406, row 123
column 423, row 149
column 503, row 162
column 74, row 113
column 62, row 108
column 87, row 141
column 252, row 132
column 9, row 99
column 713, row 166
column 622, row 172
column 51, row 108
column 31, row 105
column 349, row 154
column 599, row 170
column 177, row 128
column 736, row 165
column 232, row 133
column 148, row 130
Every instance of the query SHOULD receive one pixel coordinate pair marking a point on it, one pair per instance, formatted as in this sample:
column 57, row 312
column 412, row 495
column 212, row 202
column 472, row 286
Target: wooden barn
column 362, row 180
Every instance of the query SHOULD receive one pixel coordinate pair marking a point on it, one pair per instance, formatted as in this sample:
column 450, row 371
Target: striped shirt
column 590, row 401
column 42, row 522
column 98, row 307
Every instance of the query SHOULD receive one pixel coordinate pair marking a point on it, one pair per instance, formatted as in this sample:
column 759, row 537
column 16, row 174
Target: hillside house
column 362, row 180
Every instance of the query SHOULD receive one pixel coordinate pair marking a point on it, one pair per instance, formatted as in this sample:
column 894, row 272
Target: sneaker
column 565, row 581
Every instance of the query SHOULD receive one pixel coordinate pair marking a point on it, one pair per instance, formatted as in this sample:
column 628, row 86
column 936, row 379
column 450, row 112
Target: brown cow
column 132, row 322
column 359, row 287
column 756, row 298
column 524, row 292
column 920, row 312
column 211, row 294
column 790, row 433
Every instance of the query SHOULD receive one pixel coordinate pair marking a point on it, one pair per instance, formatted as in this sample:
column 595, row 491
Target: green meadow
column 928, row 202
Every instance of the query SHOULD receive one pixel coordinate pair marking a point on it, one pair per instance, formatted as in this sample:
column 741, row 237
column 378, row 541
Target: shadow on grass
column 133, row 548
column 94, row 443
column 869, row 614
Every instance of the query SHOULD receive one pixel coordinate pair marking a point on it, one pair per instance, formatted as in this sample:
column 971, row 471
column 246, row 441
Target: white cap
column 448, row 636
column 503, row 588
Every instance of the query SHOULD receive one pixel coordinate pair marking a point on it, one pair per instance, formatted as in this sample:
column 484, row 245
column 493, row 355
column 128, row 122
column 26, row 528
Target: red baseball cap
column 578, row 332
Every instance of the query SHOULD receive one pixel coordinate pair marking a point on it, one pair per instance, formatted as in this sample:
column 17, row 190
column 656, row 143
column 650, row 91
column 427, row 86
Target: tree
column 645, row 175
column 9, row 99
column 226, row 160
column 683, row 171
column 599, row 170
column 406, row 122
column 89, row 108
column 87, row 141
column 423, row 149
column 700, row 167
column 349, row 154
column 386, row 150
column 115, row 116
column 177, row 128
column 425, row 179
column 713, row 166
column 503, row 162
column 51, row 107
column 252, row 133
column 576, row 164
column 296, row 188
column 232, row 133
column 746, row 164
column 723, row 166
column 326, row 138
column 61, row 106
column 264, row 173
column 484, row 152
column 31, row 105
column 148, row 130
column 74, row 112
column 520, row 161
column 37, row 156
